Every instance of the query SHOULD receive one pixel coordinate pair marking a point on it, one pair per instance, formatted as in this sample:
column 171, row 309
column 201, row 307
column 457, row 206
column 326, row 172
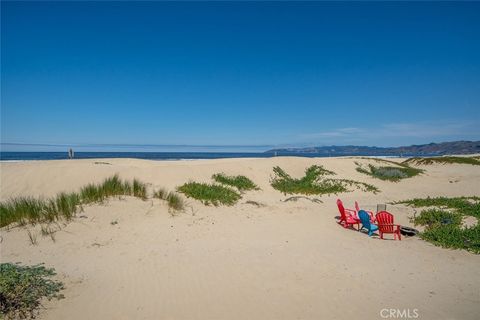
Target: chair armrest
column 351, row 212
column 372, row 216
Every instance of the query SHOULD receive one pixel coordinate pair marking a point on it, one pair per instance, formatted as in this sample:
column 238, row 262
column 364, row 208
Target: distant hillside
column 431, row 149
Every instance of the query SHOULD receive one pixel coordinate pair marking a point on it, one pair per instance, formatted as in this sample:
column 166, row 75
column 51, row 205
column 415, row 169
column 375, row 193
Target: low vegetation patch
column 22, row 289
column 443, row 221
column 314, row 182
column 443, row 160
column 242, row 183
column 210, row 193
column 175, row 201
column 434, row 218
column 390, row 173
column 467, row 206
column 139, row 189
column 23, row 210
column 161, row 193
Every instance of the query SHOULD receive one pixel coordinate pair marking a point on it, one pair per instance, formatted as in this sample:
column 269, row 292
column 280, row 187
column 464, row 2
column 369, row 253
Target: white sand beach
column 279, row 260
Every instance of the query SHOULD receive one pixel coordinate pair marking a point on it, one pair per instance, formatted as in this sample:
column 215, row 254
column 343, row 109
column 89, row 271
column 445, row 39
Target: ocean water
column 37, row 155
column 24, row 156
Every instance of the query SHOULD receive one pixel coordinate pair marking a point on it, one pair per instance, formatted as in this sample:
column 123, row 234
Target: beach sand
column 280, row 260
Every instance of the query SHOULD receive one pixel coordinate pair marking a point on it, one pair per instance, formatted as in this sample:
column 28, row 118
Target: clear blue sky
column 264, row 74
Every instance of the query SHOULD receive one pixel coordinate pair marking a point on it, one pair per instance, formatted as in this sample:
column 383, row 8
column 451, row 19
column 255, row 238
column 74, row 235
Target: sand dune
column 283, row 260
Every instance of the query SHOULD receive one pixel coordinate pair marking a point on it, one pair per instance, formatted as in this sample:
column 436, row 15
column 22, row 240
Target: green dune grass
column 242, row 183
column 443, row 221
column 210, row 193
column 174, row 201
column 315, row 182
column 24, row 210
column 389, row 173
column 443, row 160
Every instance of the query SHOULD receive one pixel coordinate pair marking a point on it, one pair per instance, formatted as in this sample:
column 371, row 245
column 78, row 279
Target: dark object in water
column 407, row 231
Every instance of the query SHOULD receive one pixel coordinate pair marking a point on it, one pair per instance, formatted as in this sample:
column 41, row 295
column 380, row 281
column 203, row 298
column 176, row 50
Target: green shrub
column 210, row 193
column 443, row 160
column 444, row 228
column 314, row 182
column 435, row 217
column 464, row 205
column 23, row 287
column 451, row 236
column 242, row 183
column 389, row 173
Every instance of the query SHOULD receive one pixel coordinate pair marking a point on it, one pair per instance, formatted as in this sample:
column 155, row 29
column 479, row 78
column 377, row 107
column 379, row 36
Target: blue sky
column 250, row 74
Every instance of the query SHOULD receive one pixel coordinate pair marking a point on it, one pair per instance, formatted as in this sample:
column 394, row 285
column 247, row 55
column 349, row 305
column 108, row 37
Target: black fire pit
column 407, row 231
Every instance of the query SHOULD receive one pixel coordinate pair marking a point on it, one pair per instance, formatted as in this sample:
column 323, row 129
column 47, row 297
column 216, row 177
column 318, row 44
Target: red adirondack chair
column 386, row 225
column 348, row 217
column 370, row 213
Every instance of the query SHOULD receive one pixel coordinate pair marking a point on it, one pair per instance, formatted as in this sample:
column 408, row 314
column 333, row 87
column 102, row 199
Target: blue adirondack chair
column 365, row 219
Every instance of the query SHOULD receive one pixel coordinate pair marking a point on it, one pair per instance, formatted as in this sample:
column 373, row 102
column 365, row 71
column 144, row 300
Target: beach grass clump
column 443, row 160
column 23, row 210
column 242, row 183
column 467, row 206
column 47, row 230
column 210, row 193
column 92, row 193
column 389, row 173
column 175, row 202
column 114, row 186
column 22, row 289
column 64, row 205
column 443, row 221
column 314, row 182
column 139, row 189
column 161, row 193
column 32, row 237
column 110, row 187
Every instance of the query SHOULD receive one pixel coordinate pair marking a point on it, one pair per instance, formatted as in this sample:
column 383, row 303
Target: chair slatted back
column 385, row 222
column 364, row 218
column 341, row 208
column 357, row 207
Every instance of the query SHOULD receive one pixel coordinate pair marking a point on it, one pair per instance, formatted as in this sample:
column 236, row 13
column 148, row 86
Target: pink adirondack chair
column 370, row 213
column 386, row 225
column 348, row 217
